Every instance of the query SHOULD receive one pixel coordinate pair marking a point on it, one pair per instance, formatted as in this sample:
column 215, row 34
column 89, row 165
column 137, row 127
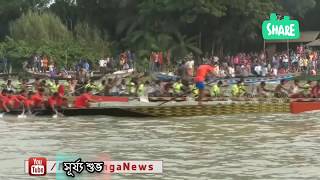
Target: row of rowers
column 292, row 89
column 29, row 100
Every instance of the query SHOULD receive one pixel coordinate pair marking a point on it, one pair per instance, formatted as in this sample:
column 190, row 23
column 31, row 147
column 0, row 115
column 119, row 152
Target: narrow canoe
column 121, row 108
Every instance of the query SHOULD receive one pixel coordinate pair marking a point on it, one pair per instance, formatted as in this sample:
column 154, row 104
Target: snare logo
column 37, row 166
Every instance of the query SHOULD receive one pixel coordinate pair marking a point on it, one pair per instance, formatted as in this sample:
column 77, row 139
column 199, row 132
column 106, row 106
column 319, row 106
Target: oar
column 171, row 99
column 22, row 115
column 57, row 113
column 167, row 101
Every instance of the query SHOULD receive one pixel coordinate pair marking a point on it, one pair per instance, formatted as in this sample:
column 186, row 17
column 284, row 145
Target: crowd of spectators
column 302, row 61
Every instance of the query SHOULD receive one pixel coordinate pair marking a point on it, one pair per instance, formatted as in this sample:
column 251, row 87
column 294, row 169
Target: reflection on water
column 280, row 146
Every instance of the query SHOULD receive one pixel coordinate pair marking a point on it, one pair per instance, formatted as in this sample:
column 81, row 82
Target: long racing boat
column 120, row 107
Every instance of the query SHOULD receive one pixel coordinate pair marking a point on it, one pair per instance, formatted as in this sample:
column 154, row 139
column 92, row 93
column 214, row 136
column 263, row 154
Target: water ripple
column 254, row 146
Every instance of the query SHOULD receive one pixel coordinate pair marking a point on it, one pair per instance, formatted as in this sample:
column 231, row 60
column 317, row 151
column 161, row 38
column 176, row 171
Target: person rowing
column 307, row 88
column 4, row 100
column 38, row 99
column 295, row 90
column 315, row 92
column 280, row 91
column 24, row 101
column 215, row 90
column 17, row 102
column 238, row 89
column 55, row 102
column 262, row 91
column 202, row 72
column 83, row 100
column 9, row 101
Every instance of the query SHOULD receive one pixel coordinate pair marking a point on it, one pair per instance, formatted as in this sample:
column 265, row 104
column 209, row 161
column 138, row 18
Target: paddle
column 22, row 115
column 56, row 113
column 171, row 99
column 167, row 101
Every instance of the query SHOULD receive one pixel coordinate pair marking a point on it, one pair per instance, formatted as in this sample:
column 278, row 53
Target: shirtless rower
column 295, row 91
column 315, row 92
column 280, row 91
column 262, row 91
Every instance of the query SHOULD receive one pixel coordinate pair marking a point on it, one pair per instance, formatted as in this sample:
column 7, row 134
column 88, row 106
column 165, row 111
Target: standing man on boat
column 202, row 72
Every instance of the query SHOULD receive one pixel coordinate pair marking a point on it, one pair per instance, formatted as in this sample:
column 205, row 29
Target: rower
column 91, row 85
column 132, row 88
column 36, row 84
column 83, row 100
column 100, row 87
column 280, row 91
column 13, row 102
column 23, row 85
column 216, row 89
column 194, row 91
column 202, row 72
column 110, row 86
column 37, row 99
column 143, row 89
column 56, row 101
column 177, row 87
column 4, row 100
column 262, row 91
column 123, row 88
column 238, row 89
column 295, row 90
column 307, row 89
column 315, row 92
column 24, row 100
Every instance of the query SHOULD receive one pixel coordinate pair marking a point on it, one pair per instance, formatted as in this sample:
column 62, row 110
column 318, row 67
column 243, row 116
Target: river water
column 265, row 146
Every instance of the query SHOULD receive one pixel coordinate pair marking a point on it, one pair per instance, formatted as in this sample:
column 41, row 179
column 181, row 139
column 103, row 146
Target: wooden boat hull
column 121, row 108
column 299, row 107
column 172, row 111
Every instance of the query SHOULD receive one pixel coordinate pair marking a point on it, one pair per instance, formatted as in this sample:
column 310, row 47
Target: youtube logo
column 37, row 166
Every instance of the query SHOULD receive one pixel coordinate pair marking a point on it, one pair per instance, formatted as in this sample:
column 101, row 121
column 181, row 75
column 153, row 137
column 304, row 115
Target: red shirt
column 14, row 101
column 24, row 99
column 37, row 99
column 202, row 72
column 82, row 101
column 4, row 98
column 61, row 90
column 58, row 101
